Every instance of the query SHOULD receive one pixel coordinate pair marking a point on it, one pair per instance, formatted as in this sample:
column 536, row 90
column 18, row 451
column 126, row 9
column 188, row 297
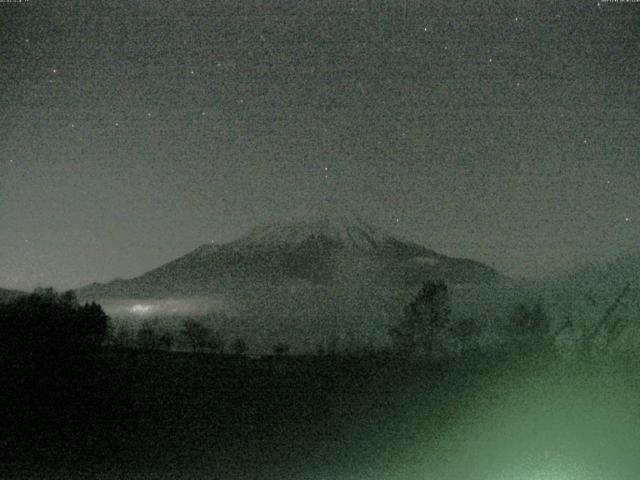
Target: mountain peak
column 329, row 210
column 321, row 247
column 341, row 228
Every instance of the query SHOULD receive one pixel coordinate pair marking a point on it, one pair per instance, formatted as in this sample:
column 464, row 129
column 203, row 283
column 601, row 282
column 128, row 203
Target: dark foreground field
column 175, row 415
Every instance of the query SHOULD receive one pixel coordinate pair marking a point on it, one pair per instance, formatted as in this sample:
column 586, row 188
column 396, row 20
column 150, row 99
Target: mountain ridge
column 314, row 249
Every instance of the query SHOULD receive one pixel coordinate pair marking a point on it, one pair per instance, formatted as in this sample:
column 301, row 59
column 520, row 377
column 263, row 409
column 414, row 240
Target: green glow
column 546, row 421
column 549, row 469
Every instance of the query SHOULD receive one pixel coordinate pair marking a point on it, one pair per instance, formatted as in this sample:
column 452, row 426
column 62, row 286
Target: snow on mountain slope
column 338, row 227
column 320, row 249
column 342, row 231
column 354, row 234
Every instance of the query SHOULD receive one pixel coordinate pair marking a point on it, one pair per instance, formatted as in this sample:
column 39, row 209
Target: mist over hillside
column 317, row 250
column 316, row 281
column 303, row 281
column 335, row 276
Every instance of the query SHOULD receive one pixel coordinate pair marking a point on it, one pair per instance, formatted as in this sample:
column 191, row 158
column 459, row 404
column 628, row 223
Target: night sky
column 132, row 132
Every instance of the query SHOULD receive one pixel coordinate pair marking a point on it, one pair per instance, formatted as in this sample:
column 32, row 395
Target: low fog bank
column 306, row 317
column 357, row 302
column 138, row 310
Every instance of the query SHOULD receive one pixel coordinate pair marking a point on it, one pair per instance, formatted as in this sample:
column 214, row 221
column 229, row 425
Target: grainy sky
column 132, row 132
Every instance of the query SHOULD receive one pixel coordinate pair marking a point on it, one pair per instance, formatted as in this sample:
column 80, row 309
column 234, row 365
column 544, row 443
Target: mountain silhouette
column 318, row 249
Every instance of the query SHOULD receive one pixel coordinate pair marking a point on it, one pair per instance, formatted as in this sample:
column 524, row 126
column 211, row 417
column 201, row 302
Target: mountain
column 317, row 250
column 301, row 282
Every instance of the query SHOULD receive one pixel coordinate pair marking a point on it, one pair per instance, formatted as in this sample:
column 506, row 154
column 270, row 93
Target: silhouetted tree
column 529, row 326
column 148, row 337
column 239, row 346
column 425, row 321
column 216, row 342
column 332, row 347
column 281, row 349
column 591, row 337
column 466, row 332
column 609, row 326
column 122, row 336
column 92, row 325
column 45, row 326
column 196, row 333
column 166, row 341
column 47, row 361
column 68, row 298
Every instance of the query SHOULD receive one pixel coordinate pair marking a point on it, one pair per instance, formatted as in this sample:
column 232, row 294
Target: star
column 192, row 72
column 117, row 124
column 54, row 71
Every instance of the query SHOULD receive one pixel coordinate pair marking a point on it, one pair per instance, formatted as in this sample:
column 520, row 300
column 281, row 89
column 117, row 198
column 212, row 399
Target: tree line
column 46, row 327
column 196, row 334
